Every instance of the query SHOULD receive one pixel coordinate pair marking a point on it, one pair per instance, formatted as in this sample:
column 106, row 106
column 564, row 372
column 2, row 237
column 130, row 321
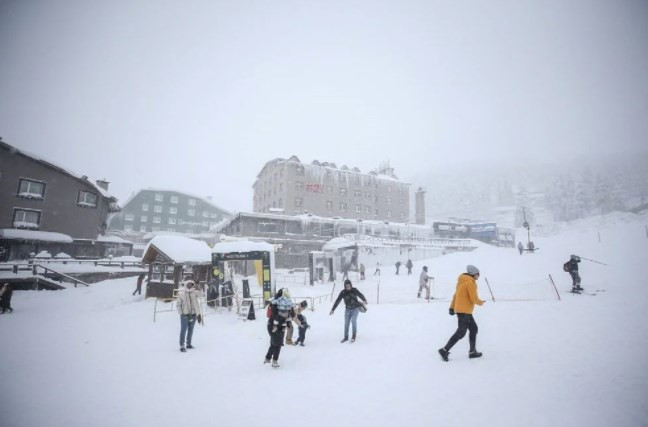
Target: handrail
column 73, row 279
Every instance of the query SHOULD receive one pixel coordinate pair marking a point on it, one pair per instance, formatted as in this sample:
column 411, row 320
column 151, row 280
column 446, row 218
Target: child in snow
column 302, row 322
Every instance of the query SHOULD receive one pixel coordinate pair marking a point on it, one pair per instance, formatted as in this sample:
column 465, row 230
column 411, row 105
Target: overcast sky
column 198, row 95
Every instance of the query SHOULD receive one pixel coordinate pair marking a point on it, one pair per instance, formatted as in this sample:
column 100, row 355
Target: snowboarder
column 188, row 307
column 303, row 323
column 362, row 271
column 398, row 264
column 138, row 289
column 377, row 269
column 571, row 267
column 423, row 283
column 520, row 247
column 5, row 298
column 409, row 266
column 350, row 296
column 281, row 309
column 463, row 303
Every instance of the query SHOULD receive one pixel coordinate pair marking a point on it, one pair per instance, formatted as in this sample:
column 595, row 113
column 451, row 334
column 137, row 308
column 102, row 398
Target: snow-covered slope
column 94, row 356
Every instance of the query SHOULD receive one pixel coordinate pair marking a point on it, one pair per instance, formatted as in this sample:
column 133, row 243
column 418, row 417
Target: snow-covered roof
column 66, row 171
column 112, row 238
column 43, row 255
column 62, row 255
column 42, row 236
column 181, row 250
column 184, row 193
column 241, row 246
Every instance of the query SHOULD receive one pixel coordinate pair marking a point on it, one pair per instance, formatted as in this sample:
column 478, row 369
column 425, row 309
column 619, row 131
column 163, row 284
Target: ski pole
column 489, row 289
column 587, row 259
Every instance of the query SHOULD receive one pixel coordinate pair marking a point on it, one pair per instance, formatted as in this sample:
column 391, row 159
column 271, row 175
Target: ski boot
column 474, row 354
column 444, row 354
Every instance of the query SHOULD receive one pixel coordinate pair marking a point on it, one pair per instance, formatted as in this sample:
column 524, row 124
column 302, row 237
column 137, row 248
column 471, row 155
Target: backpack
column 566, row 267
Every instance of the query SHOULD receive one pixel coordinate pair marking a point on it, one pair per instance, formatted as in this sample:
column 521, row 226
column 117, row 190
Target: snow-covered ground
column 94, row 356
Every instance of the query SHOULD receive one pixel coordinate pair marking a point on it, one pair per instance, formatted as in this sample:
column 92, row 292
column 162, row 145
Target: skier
column 138, row 289
column 362, row 271
column 5, row 298
column 463, row 303
column 282, row 309
column 409, row 266
column 520, row 247
column 423, row 283
column 571, row 267
column 303, row 323
column 350, row 296
column 398, row 264
column 188, row 307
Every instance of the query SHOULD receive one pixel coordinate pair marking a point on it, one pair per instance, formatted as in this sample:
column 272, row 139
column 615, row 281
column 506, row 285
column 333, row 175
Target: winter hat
column 575, row 257
column 425, row 268
column 189, row 283
column 347, row 282
column 304, row 304
column 472, row 270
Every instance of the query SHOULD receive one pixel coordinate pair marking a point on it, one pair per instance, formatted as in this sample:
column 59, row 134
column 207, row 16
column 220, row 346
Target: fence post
column 378, row 293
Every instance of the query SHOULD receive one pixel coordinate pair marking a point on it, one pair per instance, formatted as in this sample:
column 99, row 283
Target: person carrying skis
column 188, row 307
column 423, row 283
column 463, row 303
column 350, row 296
column 571, row 267
column 282, row 309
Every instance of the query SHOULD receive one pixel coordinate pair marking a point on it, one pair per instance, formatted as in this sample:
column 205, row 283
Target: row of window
column 174, row 210
column 317, row 188
column 342, row 207
column 145, row 229
column 174, row 199
column 158, row 220
column 33, row 189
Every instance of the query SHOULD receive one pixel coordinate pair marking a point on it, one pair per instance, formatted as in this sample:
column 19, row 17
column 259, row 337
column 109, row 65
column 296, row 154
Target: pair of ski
column 583, row 292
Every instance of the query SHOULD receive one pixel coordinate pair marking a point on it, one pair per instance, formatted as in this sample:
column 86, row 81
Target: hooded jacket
column 187, row 302
column 465, row 296
column 350, row 298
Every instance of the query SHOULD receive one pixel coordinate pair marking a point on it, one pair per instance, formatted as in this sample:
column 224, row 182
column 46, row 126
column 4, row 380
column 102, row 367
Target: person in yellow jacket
column 463, row 304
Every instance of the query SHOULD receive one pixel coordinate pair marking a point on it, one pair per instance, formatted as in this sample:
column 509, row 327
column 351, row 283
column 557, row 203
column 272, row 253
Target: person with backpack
column 463, row 304
column 5, row 298
column 571, row 267
column 281, row 309
column 350, row 296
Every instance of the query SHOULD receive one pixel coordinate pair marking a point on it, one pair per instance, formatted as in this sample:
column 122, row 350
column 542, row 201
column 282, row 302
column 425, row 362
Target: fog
column 198, row 95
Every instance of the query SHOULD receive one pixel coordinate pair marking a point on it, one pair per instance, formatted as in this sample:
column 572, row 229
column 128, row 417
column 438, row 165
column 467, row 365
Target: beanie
column 472, row 270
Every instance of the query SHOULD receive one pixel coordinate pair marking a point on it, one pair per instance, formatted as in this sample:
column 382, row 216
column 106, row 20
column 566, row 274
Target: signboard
column 247, row 309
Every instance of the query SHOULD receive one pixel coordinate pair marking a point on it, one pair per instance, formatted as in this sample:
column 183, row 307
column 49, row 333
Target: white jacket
column 187, row 302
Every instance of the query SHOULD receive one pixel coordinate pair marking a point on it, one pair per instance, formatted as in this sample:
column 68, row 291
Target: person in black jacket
column 350, row 296
column 5, row 298
column 571, row 267
column 282, row 309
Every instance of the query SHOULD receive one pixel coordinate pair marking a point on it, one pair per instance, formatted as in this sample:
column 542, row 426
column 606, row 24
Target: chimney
column 419, row 206
column 102, row 183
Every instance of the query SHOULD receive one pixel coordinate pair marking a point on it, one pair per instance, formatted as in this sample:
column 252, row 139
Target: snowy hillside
column 94, row 356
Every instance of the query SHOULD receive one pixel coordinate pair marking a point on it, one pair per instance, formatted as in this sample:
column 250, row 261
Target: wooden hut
column 172, row 259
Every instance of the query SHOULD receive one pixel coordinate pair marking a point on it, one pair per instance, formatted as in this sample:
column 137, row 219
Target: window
column 205, row 223
column 174, row 199
column 157, row 220
column 144, row 207
column 389, row 188
column 267, row 227
column 280, row 203
column 129, row 217
column 159, row 197
column 128, row 227
column 388, row 214
column 368, row 209
column 191, row 212
column 401, row 191
column 26, row 218
column 329, row 189
column 343, row 207
column 341, row 176
column 401, row 202
column 157, row 209
column 205, row 214
column 329, row 205
column 155, row 229
column 173, row 210
column 401, row 215
column 343, row 192
column 299, row 170
column 142, row 229
column 192, row 202
column 299, row 202
column 143, row 218
column 31, row 189
column 389, row 200
column 299, row 185
column 368, row 195
column 172, row 221
column 356, row 180
column 87, row 199
column 358, row 208
column 376, row 212
column 329, row 174
column 280, row 186
column 357, row 194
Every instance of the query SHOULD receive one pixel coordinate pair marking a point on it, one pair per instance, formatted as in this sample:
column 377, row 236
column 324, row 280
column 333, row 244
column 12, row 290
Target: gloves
column 200, row 319
column 451, row 311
